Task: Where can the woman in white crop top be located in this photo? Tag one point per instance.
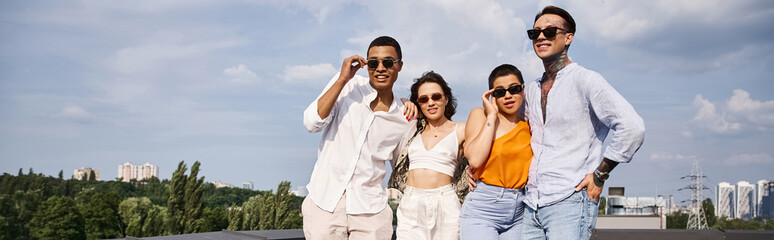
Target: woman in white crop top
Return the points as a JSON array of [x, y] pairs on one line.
[[429, 208]]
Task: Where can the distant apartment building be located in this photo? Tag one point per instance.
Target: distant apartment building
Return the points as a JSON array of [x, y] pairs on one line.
[[745, 200], [83, 174], [766, 203], [219, 184], [128, 171], [724, 198], [300, 191], [248, 185]]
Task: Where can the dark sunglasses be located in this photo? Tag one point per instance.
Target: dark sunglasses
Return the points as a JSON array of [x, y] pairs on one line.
[[548, 32], [388, 63], [424, 98], [500, 92]]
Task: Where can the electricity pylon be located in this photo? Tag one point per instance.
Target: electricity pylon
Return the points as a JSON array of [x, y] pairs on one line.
[[696, 219]]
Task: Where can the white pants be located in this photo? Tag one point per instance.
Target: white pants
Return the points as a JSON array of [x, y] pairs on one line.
[[429, 214]]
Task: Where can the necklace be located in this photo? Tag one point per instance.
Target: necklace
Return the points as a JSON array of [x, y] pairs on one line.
[[434, 132]]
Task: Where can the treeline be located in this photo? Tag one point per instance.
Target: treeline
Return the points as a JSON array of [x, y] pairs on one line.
[[679, 220], [34, 206]]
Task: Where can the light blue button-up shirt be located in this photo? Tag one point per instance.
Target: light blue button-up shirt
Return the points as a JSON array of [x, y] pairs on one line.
[[581, 109]]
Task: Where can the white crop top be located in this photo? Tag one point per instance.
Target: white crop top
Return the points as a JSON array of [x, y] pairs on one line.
[[441, 158]]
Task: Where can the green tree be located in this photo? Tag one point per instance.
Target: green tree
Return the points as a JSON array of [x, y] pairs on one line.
[[154, 222], [8, 218], [100, 212], [235, 217], [61, 174], [26, 204], [285, 216], [57, 218], [602, 204], [142, 218], [709, 211], [92, 176], [251, 213], [214, 219], [267, 208], [193, 200], [677, 220], [176, 202]]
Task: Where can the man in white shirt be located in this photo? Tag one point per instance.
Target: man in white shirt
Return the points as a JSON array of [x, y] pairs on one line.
[[362, 123]]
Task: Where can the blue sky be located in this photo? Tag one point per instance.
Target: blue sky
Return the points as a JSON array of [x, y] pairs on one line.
[[98, 83]]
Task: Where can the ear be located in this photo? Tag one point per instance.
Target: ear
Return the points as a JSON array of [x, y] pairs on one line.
[[568, 40], [399, 66]]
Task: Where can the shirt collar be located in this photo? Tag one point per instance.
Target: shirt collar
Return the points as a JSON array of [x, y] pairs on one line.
[[371, 95]]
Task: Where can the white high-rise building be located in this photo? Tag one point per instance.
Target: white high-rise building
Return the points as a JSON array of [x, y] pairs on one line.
[[83, 174], [128, 171], [724, 197], [761, 192], [745, 200], [247, 185]]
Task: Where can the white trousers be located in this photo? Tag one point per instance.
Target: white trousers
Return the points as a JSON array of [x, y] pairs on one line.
[[429, 214]]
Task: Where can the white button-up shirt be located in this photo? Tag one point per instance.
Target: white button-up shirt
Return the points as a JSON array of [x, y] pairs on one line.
[[581, 109], [355, 144]]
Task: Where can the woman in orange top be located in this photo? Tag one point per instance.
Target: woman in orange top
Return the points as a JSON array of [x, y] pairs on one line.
[[499, 152]]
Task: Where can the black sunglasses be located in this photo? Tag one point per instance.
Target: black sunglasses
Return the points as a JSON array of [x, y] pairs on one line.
[[388, 63], [549, 32], [500, 92], [424, 98]]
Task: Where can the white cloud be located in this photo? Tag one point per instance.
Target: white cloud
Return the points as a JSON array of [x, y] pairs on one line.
[[709, 118], [663, 156], [739, 114], [749, 159], [656, 33], [163, 47], [754, 111], [74, 111], [241, 74], [309, 74]]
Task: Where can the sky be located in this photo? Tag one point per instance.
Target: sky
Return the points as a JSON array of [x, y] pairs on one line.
[[99, 83]]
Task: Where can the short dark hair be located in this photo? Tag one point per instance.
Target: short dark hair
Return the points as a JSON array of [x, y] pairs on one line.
[[568, 20], [451, 105], [386, 41], [504, 70]]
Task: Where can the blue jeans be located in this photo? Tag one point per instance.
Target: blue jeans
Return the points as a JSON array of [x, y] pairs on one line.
[[572, 218], [492, 212]]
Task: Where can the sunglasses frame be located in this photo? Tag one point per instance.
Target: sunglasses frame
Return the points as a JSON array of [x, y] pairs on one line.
[[384, 62], [515, 89], [424, 98], [549, 32]]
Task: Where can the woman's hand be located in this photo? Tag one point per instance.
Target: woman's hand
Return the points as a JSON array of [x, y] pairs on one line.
[[489, 102], [410, 110]]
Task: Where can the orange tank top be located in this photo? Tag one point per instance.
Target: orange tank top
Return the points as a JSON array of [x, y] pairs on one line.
[[509, 159]]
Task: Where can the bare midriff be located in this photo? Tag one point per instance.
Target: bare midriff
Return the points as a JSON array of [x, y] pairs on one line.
[[427, 179]]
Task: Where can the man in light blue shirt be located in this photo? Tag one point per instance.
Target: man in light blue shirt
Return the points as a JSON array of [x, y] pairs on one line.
[[571, 111]]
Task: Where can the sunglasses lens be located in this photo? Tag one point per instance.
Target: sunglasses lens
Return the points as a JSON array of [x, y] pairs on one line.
[[423, 99], [515, 89], [550, 32], [533, 34], [388, 63], [437, 96], [498, 93], [373, 63]]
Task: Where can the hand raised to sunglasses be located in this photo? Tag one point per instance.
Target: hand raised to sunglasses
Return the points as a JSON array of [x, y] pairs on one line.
[[350, 67], [490, 106]]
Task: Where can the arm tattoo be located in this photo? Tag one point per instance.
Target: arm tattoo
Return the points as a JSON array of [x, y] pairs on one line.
[[488, 124]]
